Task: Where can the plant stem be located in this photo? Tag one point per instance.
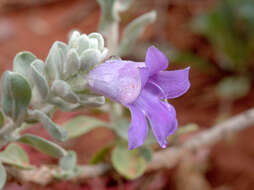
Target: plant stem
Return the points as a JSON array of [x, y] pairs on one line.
[[162, 159]]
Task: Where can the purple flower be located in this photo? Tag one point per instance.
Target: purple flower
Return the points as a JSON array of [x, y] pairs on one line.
[[140, 87]]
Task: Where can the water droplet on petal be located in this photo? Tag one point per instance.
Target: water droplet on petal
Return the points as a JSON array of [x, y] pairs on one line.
[[165, 144]]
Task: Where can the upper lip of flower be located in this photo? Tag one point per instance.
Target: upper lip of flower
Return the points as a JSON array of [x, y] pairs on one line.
[[151, 84]]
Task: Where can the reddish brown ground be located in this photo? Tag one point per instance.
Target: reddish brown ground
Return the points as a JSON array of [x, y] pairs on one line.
[[35, 28]]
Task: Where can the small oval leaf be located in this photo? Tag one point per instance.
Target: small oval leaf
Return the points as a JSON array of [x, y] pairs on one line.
[[91, 100], [89, 58], [78, 83], [81, 125], [43, 145], [73, 40], [63, 89], [63, 105], [99, 38], [16, 95], [53, 129], [15, 155], [21, 64], [55, 61], [40, 81], [129, 163], [72, 64], [83, 43]]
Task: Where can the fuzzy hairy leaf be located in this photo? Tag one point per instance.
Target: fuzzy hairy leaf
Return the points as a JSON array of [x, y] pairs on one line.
[[72, 64], [129, 163], [81, 125], [55, 61], [16, 95], [89, 58], [43, 145], [15, 155], [63, 90], [53, 129], [40, 81], [22, 63], [99, 38], [83, 43]]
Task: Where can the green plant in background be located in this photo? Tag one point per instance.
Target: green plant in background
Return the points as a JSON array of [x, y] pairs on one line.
[[229, 27]]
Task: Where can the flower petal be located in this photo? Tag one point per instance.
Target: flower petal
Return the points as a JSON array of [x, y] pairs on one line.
[[119, 61], [155, 60], [162, 116], [138, 129], [144, 74], [118, 80], [172, 84]]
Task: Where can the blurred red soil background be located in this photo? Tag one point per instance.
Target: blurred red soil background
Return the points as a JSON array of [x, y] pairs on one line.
[[33, 25]]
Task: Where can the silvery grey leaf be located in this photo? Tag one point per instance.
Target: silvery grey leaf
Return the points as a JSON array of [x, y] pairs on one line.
[[83, 43], [16, 95], [55, 61], [21, 64], [93, 43], [73, 40], [43, 145], [78, 83], [63, 90], [40, 81], [89, 58], [82, 124], [63, 105], [91, 100], [14, 155], [99, 39], [72, 64], [53, 129], [104, 54]]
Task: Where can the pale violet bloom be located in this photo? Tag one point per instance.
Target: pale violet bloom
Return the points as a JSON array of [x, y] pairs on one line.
[[141, 86]]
